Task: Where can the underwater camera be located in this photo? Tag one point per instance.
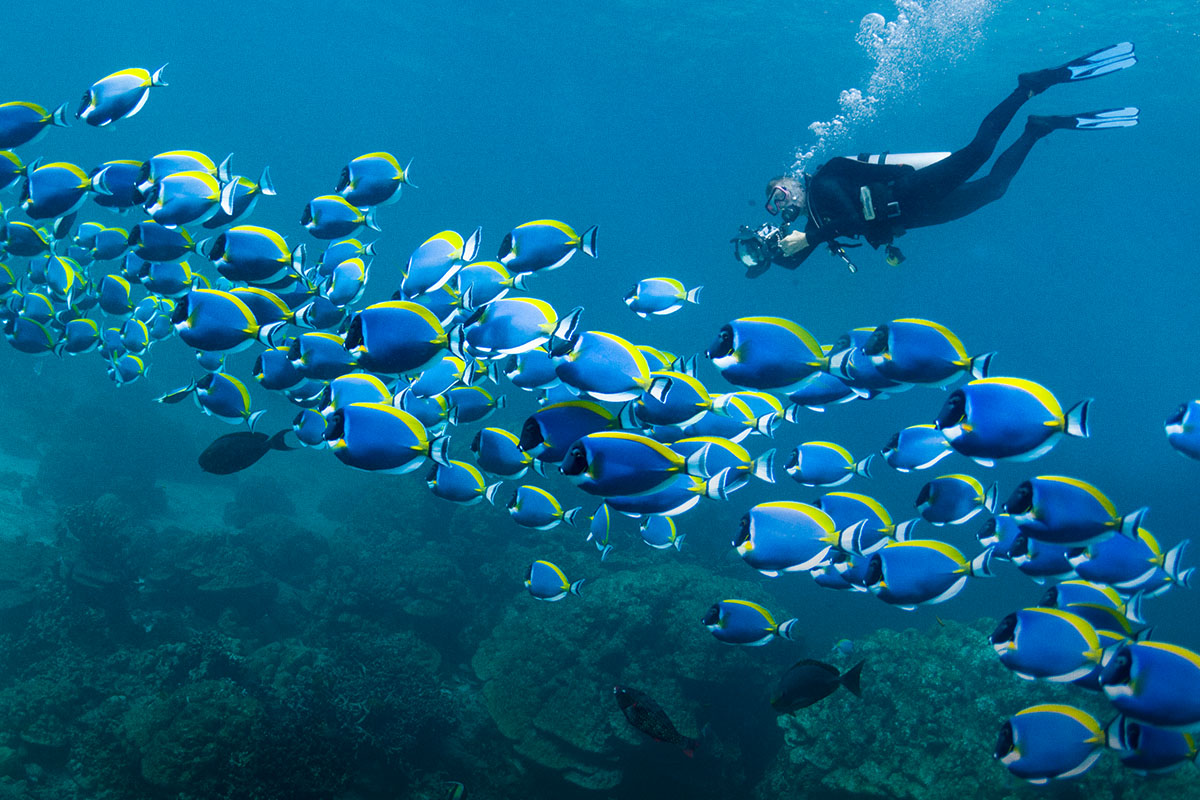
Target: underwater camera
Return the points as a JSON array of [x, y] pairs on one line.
[[754, 247]]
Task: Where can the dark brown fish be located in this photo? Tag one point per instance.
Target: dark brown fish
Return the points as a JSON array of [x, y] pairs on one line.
[[235, 452], [649, 718], [809, 681]]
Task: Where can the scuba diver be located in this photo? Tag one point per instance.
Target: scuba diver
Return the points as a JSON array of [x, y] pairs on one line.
[[879, 197]]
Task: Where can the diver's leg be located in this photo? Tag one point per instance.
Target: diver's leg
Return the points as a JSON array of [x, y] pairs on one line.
[[972, 196], [942, 177]]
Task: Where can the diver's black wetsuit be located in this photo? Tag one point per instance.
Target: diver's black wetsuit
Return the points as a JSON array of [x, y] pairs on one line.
[[902, 197]]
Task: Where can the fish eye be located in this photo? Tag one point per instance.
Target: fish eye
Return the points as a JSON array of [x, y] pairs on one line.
[[1177, 416], [874, 573], [1050, 598], [877, 342], [431, 476], [1119, 670], [952, 411], [723, 345], [181, 310], [713, 616], [1021, 500], [988, 531], [1004, 744], [1005, 630], [743, 531], [893, 443], [1133, 734], [306, 215], [476, 441], [354, 334], [531, 435], [923, 496], [1020, 546], [83, 104], [336, 426]]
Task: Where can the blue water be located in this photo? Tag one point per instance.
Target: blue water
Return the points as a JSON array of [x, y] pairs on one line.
[[660, 123]]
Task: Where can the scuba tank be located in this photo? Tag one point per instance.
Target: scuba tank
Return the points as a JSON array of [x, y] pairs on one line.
[[914, 160]]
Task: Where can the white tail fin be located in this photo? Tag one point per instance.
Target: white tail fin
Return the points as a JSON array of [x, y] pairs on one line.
[[764, 466], [439, 450], [267, 186], [1172, 559], [659, 388], [981, 565], [577, 585], [980, 364], [1077, 419], [989, 498], [784, 629], [491, 493], [693, 295], [157, 79], [587, 241], [228, 193], [225, 169], [903, 531], [1131, 522], [569, 517], [471, 246], [864, 466], [370, 221]]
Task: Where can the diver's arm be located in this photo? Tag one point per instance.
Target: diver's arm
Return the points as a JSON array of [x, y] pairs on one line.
[[793, 243]]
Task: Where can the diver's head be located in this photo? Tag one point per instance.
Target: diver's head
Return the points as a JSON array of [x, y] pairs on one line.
[[786, 198]]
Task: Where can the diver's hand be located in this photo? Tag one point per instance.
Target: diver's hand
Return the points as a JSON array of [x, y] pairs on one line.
[[793, 243]]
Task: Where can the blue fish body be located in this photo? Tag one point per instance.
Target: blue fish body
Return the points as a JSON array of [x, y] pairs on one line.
[[1047, 742], [118, 96], [921, 572], [378, 438], [954, 499], [1067, 511], [22, 123], [743, 622], [766, 353], [275, 371], [372, 179], [545, 581], [785, 536], [920, 351], [825, 464], [618, 463], [214, 321], [395, 336], [534, 507], [1047, 643], [1183, 429], [1154, 683], [498, 452], [916, 447], [543, 245], [660, 532], [456, 481], [320, 356], [990, 419], [552, 429], [330, 216]]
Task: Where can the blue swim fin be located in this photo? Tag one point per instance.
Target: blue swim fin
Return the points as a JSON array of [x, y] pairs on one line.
[[1088, 120], [1105, 60]]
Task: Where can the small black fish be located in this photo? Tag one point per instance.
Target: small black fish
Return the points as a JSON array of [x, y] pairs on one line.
[[646, 715], [808, 681], [234, 452]]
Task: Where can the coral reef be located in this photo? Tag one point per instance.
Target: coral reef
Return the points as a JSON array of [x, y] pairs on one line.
[[924, 729], [549, 668]]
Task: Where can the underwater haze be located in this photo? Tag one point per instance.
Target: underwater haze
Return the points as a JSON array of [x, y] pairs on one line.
[[304, 629]]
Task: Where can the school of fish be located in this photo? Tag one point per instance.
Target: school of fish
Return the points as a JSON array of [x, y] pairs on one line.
[[382, 385]]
